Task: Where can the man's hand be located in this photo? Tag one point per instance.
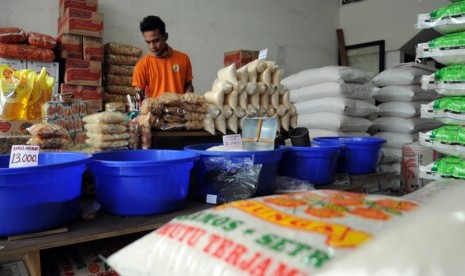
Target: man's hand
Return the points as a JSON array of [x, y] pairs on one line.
[[188, 87]]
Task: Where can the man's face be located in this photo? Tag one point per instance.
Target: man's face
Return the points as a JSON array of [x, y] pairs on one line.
[[156, 42]]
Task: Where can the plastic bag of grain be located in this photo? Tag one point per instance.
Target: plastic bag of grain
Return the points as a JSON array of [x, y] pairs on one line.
[[449, 81], [292, 234], [314, 76], [447, 49], [446, 20], [403, 74], [426, 242]]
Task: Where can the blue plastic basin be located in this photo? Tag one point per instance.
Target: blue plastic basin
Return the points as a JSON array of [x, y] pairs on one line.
[[314, 164], [268, 158], [359, 155], [142, 182], [38, 198]]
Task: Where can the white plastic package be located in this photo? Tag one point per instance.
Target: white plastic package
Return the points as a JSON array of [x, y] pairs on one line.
[[447, 49], [324, 74], [403, 74], [333, 89], [333, 121], [426, 242], [448, 81], [291, 234], [400, 109], [446, 20], [447, 110], [390, 155], [345, 106], [404, 125], [447, 139], [397, 140], [447, 169], [407, 93], [315, 132]]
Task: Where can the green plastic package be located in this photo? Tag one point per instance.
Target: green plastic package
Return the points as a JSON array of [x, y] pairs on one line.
[[448, 41], [449, 134], [451, 104], [449, 167], [452, 73], [452, 10]]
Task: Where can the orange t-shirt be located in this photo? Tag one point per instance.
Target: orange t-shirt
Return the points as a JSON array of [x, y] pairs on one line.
[[163, 74]]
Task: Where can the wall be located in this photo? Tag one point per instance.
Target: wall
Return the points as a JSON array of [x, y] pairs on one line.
[[391, 20], [299, 34]]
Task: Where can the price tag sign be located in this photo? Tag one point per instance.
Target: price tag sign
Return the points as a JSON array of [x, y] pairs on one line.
[[263, 53], [24, 156], [232, 141]]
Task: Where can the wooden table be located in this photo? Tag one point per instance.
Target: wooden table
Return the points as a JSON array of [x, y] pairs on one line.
[[104, 226]]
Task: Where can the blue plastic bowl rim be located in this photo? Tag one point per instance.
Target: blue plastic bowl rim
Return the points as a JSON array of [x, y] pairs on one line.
[[331, 147], [43, 167], [280, 149], [351, 139], [189, 156]]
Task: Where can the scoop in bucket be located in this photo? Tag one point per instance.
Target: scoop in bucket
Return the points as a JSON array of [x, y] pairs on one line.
[[259, 133]]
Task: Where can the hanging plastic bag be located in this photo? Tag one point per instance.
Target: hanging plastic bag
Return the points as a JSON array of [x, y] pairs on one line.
[[41, 93], [15, 89]]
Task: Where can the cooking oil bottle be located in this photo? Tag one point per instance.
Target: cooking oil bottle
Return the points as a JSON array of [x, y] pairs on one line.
[[15, 89]]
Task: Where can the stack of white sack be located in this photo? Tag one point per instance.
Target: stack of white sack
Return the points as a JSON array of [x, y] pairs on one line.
[[332, 100], [400, 98], [254, 90]]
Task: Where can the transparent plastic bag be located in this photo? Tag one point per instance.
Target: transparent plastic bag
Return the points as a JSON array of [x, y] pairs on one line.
[[45, 130], [41, 40], [231, 178], [106, 117], [15, 90]]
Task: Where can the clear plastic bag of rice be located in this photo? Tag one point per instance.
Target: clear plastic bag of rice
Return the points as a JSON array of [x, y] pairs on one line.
[[105, 117], [46, 130], [106, 128], [107, 137]]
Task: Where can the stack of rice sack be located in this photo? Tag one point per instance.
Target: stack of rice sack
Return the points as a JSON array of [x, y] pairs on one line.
[[15, 43], [106, 131], [254, 90], [449, 82], [48, 136], [120, 60], [173, 111], [400, 98], [332, 100]]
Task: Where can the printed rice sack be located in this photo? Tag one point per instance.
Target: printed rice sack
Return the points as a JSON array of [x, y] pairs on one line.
[[293, 234]]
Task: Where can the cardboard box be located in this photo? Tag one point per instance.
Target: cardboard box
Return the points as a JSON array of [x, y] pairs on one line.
[[92, 48], [53, 68], [83, 72], [81, 22], [10, 128], [240, 57], [75, 90], [16, 64], [69, 46], [90, 5], [93, 97]]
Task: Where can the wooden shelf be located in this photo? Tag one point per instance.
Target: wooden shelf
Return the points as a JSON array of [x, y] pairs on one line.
[[104, 226]]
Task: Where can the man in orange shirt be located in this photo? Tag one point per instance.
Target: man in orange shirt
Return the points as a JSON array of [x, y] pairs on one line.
[[162, 69]]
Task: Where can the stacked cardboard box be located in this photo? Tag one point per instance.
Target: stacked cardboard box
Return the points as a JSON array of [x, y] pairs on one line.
[[80, 30], [239, 57]]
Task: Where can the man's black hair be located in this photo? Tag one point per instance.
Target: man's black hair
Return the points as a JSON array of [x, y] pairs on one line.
[[152, 23]]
